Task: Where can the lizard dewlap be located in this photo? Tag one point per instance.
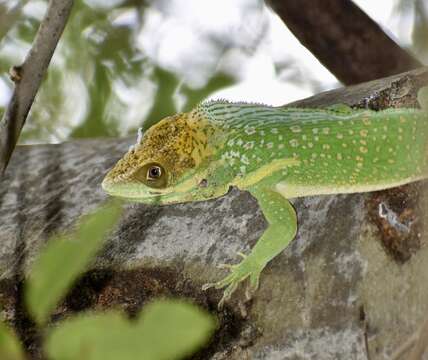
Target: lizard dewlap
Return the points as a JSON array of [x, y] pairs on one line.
[[276, 154]]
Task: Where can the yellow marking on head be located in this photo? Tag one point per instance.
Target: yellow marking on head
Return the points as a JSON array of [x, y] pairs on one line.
[[179, 143]]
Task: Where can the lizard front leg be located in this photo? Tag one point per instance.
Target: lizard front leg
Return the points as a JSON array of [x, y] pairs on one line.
[[282, 228]]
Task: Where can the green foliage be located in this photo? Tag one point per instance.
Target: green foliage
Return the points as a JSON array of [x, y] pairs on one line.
[[10, 348], [171, 329], [165, 329], [420, 29], [96, 60], [64, 259]]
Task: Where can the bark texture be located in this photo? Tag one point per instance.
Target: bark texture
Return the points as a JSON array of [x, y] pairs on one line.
[[352, 285], [344, 39]]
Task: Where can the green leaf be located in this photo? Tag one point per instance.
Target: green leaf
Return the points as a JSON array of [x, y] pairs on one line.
[[166, 329], [64, 259], [173, 329], [10, 347], [104, 336]]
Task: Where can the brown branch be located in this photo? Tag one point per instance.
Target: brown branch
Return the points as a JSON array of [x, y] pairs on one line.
[[172, 250], [344, 39], [29, 75]]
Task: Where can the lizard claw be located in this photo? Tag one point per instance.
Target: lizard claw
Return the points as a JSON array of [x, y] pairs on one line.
[[238, 273]]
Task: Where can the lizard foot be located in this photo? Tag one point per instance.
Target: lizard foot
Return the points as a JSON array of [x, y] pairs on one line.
[[238, 273]]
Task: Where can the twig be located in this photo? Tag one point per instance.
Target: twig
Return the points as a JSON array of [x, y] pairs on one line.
[[29, 75], [343, 38]]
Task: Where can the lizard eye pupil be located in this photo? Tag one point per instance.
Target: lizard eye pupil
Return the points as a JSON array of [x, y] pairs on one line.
[[153, 175], [155, 172]]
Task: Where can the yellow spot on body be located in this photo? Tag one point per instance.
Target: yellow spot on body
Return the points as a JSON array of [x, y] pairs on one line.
[[294, 143], [339, 136], [339, 156], [364, 133], [363, 142], [326, 130], [403, 119], [326, 146], [351, 132], [295, 128], [400, 130], [366, 121], [391, 161]]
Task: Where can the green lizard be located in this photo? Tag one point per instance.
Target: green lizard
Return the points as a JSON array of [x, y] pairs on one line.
[[274, 153]]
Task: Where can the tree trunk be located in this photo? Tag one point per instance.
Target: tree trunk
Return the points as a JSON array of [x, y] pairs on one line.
[[344, 39], [352, 285]]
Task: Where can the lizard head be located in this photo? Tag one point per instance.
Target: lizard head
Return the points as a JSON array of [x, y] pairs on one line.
[[173, 162]]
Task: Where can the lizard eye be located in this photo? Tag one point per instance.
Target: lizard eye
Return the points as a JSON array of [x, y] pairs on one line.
[[153, 175], [154, 172]]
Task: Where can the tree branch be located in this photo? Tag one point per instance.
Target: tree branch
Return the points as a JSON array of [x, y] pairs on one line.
[[310, 296], [29, 75], [344, 39]]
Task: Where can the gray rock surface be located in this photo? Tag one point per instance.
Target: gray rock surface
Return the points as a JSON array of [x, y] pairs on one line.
[[352, 285]]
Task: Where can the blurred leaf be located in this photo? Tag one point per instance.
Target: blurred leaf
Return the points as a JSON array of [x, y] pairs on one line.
[[420, 28], [10, 347], [168, 84], [64, 259], [172, 329], [8, 18], [163, 104], [93, 336], [217, 82], [166, 329]]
